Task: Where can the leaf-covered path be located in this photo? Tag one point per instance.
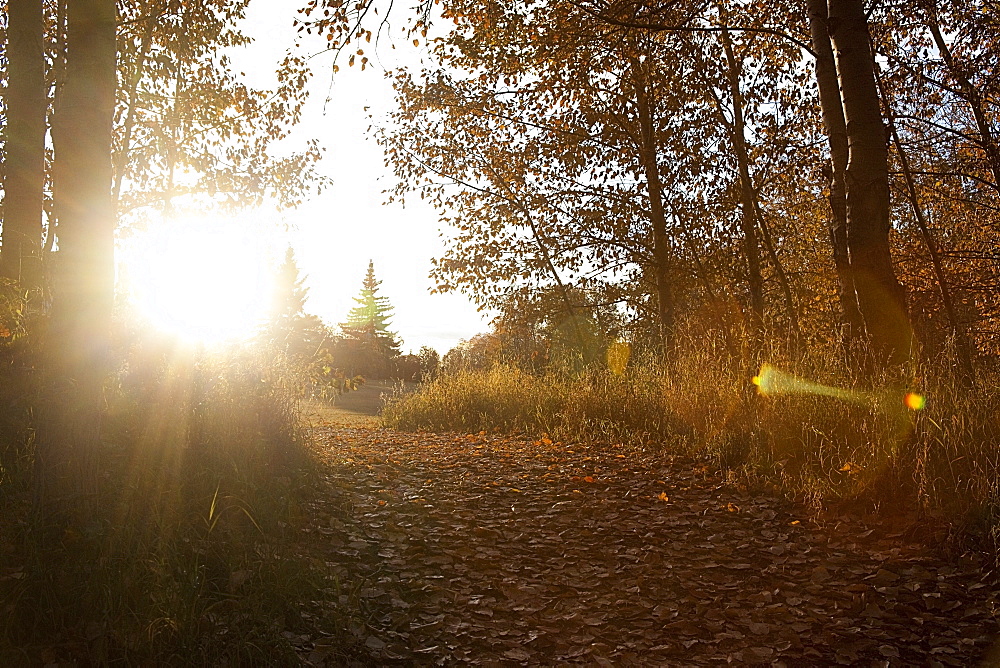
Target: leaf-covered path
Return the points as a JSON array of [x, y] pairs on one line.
[[480, 549]]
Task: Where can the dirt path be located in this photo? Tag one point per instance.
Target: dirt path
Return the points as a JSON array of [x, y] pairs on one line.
[[512, 551], [359, 408]]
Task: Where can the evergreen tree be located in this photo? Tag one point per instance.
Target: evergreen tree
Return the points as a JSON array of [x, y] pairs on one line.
[[292, 329], [309, 344], [368, 322], [289, 298]]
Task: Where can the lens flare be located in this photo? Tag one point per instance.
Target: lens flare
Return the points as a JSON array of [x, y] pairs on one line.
[[772, 382]]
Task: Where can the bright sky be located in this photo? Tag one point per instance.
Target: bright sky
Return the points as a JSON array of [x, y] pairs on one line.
[[335, 234]]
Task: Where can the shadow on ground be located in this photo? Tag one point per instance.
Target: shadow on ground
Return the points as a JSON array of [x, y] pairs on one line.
[[359, 408]]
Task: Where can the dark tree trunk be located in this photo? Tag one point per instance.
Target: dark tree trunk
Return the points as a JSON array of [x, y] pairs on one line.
[[26, 103], [657, 215], [83, 277], [749, 202], [832, 109], [881, 298], [748, 218]]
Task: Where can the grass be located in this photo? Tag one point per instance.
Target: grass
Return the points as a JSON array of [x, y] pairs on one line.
[[866, 449], [190, 556]]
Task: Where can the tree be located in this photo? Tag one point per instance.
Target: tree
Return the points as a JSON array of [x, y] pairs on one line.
[[309, 347], [430, 362], [78, 333], [836, 133], [26, 104], [188, 126], [881, 298], [367, 328], [601, 165], [291, 329]]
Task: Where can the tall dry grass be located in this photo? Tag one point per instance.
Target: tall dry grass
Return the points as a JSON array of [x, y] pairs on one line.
[[865, 447], [189, 557]]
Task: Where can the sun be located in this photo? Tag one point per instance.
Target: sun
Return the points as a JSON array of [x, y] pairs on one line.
[[204, 280]]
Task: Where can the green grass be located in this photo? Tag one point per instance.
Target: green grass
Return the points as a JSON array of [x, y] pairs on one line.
[[939, 464]]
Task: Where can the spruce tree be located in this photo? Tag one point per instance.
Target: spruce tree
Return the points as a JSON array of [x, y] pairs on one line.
[[289, 297], [291, 328], [368, 322]]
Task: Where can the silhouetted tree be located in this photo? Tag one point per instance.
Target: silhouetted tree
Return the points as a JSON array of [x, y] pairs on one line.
[[294, 331], [79, 329], [24, 150], [430, 362]]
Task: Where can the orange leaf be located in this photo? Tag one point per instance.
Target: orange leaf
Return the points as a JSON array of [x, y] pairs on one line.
[[662, 496], [589, 478]]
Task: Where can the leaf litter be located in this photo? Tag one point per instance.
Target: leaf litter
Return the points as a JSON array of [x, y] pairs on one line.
[[483, 549]]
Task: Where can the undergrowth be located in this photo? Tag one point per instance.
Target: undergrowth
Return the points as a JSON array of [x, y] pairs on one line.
[[188, 557], [864, 448]]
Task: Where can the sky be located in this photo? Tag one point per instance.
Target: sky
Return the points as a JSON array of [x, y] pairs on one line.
[[336, 233]]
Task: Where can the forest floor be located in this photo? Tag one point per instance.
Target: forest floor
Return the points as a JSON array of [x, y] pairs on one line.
[[505, 550]]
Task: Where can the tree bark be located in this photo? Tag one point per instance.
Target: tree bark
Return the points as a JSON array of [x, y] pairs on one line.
[[748, 218], [83, 278], [657, 216], [749, 200], [832, 109], [791, 312], [881, 298], [25, 99]]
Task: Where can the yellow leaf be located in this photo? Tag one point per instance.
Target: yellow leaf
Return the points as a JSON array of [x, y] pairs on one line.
[[732, 507], [662, 496]]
